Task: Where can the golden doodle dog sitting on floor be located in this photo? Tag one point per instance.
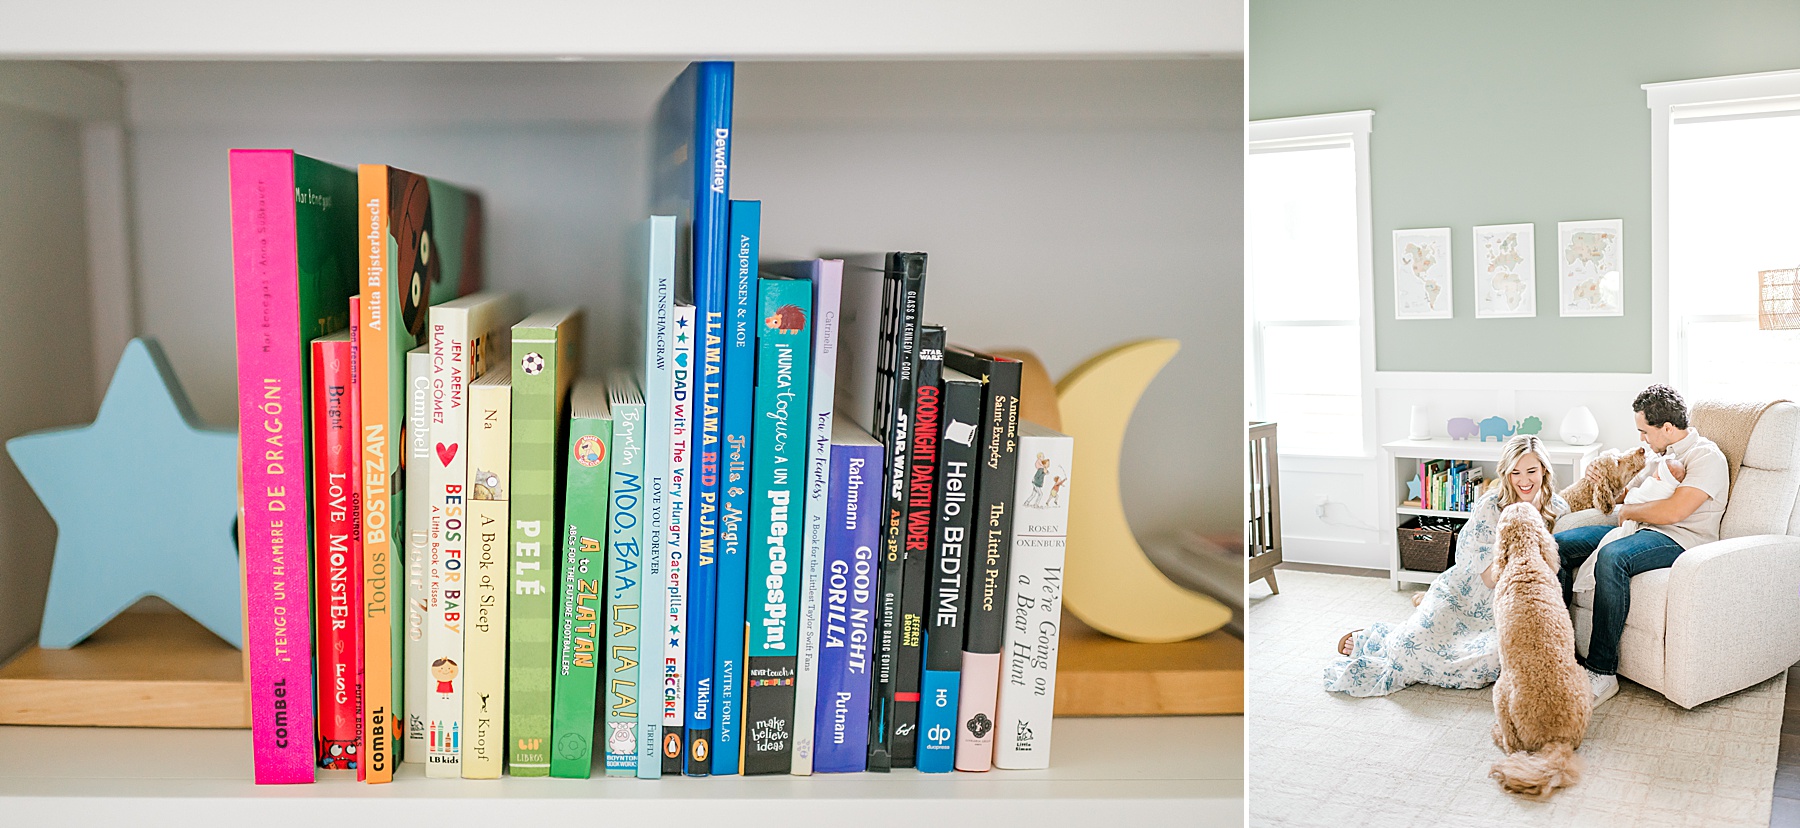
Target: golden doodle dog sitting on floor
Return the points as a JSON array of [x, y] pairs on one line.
[[1541, 700], [1603, 485]]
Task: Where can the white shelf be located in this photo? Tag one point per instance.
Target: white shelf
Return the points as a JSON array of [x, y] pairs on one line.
[[576, 29], [1125, 771], [1568, 461], [1414, 576], [1444, 513], [1446, 449]]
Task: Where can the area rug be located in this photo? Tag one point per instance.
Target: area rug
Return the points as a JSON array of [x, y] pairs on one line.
[[1420, 757]]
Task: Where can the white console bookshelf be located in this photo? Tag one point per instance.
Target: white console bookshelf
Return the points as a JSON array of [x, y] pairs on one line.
[[1037, 156], [1400, 460]]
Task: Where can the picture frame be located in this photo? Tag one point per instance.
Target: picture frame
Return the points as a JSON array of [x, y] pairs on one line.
[[1590, 267], [1422, 274], [1505, 270]]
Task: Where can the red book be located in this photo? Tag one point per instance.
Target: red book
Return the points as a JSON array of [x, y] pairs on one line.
[[337, 552]]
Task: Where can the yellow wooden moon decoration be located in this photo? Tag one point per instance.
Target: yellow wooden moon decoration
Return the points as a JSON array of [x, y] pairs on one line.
[[1109, 583]]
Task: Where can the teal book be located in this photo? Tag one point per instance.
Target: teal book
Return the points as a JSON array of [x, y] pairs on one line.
[[777, 520], [587, 482], [546, 348], [622, 688]]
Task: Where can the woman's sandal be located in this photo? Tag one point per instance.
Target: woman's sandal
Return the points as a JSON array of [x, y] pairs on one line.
[[1344, 643]]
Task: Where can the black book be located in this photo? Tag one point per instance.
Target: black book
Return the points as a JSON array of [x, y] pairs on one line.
[[902, 304], [915, 554], [959, 462], [990, 548]]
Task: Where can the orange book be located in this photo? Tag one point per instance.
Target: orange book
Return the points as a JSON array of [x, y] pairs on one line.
[[421, 244]]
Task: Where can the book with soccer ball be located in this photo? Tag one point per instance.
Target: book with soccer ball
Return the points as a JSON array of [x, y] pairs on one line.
[[546, 349]]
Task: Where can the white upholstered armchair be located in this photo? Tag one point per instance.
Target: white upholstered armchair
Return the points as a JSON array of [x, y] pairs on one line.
[[1726, 616]]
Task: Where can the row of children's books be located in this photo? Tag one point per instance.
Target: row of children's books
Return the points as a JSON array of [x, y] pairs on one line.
[[1448, 485], [789, 530]]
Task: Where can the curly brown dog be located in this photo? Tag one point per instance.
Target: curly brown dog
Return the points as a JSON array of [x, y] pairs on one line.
[[1603, 485], [1541, 701]]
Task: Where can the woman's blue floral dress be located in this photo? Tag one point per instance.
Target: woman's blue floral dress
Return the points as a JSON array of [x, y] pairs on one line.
[[1450, 640]]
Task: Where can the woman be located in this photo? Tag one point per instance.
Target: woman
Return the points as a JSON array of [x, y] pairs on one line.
[[1450, 640]]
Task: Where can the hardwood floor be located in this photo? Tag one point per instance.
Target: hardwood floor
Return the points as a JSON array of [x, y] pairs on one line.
[[1785, 812]]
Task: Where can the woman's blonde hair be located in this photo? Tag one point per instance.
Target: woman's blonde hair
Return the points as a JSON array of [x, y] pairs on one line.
[[1516, 449]]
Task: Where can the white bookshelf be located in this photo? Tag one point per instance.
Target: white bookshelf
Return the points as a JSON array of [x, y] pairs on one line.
[[1132, 771], [1077, 166], [1399, 464]]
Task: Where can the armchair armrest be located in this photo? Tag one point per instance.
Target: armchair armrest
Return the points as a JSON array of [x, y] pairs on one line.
[[1586, 517], [1733, 616]]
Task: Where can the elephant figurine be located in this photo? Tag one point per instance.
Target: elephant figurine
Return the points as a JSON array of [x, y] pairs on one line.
[[1462, 428], [1530, 425], [1497, 428]]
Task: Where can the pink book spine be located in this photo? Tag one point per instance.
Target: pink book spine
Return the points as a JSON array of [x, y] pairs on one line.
[[337, 563], [272, 465], [357, 628], [980, 688]]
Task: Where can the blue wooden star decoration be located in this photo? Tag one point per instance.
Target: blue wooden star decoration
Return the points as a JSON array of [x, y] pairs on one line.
[[1412, 488], [144, 500]]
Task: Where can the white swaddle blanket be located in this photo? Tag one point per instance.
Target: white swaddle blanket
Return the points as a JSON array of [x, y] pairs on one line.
[[1658, 484]]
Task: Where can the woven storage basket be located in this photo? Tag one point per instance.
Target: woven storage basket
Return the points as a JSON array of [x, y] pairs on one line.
[[1778, 299], [1427, 545]]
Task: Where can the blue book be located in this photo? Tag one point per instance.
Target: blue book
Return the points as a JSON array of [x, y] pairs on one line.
[[734, 485], [691, 180], [945, 614], [777, 520], [847, 624], [653, 346]]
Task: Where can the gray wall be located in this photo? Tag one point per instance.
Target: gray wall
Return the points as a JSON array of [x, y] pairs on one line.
[[1067, 205], [1487, 113], [46, 351]]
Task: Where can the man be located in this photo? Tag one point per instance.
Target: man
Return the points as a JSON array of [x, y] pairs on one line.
[[1686, 519]]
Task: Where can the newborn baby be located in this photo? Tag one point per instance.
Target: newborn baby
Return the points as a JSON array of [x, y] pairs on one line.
[[1662, 476]]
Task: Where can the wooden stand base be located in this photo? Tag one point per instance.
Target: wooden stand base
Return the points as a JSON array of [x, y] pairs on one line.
[[143, 669], [1097, 675]]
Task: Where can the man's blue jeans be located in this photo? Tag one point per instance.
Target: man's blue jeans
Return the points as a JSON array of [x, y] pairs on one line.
[[1642, 551]]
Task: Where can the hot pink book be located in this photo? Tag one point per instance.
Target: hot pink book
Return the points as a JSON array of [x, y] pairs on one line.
[[293, 225]]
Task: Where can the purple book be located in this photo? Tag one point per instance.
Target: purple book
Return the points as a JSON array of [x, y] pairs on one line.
[[847, 626]]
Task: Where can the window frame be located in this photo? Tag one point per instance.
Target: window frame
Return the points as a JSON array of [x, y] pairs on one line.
[[1731, 96], [1329, 130]]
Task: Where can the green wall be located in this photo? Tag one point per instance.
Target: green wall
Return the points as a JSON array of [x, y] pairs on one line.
[[1496, 113]]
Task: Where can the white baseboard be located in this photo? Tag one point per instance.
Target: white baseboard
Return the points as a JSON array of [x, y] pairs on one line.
[[1334, 551]]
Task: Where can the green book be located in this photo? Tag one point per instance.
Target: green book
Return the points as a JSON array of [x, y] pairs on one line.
[[583, 567], [546, 349], [624, 578]]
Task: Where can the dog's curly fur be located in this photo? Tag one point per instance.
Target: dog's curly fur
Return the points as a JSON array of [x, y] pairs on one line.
[[1603, 486], [1541, 702]]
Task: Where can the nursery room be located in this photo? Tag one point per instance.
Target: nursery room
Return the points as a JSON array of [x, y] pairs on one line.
[[1542, 258]]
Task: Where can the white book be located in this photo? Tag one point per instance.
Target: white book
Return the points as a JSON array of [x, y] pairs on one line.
[[1027, 698], [653, 266], [681, 423], [827, 277], [489, 561], [418, 535], [464, 336]]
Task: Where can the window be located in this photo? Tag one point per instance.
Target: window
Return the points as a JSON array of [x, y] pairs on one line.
[[1306, 220], [1734, 210]]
